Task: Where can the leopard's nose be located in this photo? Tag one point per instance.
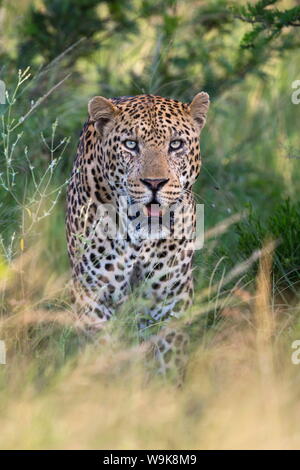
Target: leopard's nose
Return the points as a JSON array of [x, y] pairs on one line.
[[154, 183]]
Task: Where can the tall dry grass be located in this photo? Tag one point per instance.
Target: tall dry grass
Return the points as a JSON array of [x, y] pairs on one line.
[[60, 389]]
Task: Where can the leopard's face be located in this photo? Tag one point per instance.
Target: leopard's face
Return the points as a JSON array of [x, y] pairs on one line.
[[150, 145]]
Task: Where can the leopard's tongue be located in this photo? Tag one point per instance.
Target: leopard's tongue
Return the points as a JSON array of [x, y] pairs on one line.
[[153, 210]]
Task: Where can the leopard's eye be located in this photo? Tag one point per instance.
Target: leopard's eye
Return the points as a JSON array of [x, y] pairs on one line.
[[176, 144], [131, 144]]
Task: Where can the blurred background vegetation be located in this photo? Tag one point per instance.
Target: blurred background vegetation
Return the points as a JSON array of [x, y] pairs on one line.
[[246, 56]]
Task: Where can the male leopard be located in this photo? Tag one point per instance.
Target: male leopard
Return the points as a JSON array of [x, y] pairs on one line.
[[136, 163]]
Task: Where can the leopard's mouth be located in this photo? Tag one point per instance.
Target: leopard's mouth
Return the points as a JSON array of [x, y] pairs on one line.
[[154, 210]]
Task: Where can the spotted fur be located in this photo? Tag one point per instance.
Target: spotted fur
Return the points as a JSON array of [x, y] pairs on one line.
[[106, 171]]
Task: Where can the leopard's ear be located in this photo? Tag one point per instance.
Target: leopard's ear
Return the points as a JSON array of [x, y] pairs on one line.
[[199, 107], [101, 111]]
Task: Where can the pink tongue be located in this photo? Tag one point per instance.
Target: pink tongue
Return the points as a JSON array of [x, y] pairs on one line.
[[153, 210]]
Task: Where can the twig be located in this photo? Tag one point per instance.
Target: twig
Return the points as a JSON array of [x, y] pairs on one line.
[[41, 100]]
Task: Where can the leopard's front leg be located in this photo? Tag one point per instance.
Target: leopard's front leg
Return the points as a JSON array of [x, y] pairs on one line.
[[169, 283], [101, 274]]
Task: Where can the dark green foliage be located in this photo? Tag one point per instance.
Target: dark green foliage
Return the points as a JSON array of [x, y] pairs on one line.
[[268, 24], [52, 28], [190, 53]]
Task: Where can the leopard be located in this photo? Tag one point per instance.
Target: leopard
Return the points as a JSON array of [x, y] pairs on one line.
[[131, 214]]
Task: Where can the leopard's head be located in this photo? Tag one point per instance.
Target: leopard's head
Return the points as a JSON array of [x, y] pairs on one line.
[[149, 145]]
